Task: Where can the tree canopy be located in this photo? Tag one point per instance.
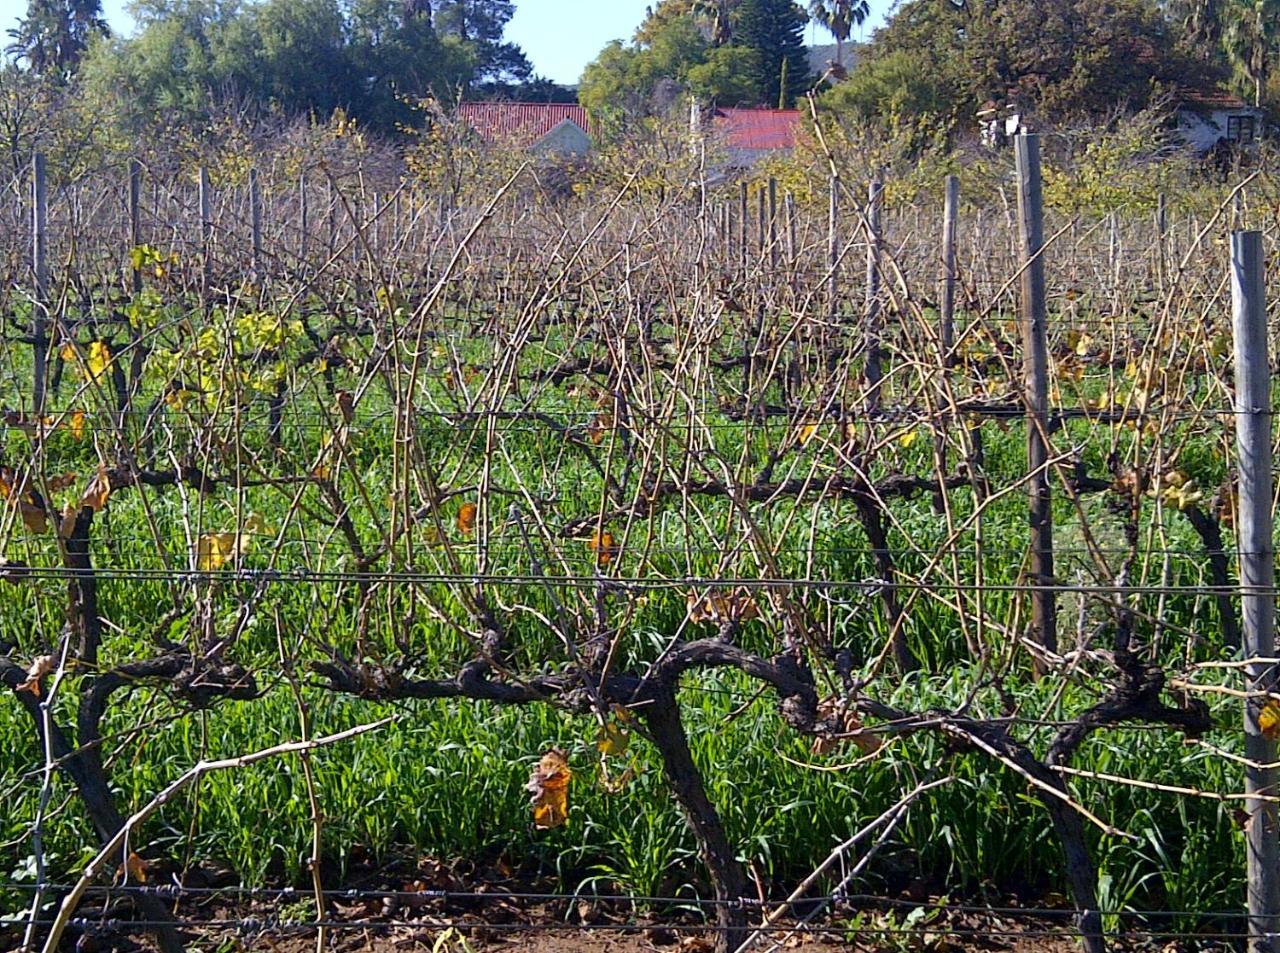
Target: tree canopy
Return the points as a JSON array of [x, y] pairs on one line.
[[727, 52], [53, 36], [1055, 58], [371, 58]]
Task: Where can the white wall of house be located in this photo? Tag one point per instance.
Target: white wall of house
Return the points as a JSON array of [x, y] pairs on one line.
[[1200, 130], [566, 139]]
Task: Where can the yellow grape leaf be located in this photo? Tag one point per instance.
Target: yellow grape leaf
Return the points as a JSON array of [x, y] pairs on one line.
[[549, 789], [99, 358], [908, 438], [96, 493], [214, 549], [466, 521], [1269, 720], [806, 433], [76, 423], [613, 739], [718, 606]]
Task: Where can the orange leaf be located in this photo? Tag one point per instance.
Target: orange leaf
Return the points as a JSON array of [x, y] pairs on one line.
[[41, 666], [849, 728], [601, 424], [76, 423], [603, 545], [96, 493], [133, 869], [467, 518], [718, 606], [549, 787]]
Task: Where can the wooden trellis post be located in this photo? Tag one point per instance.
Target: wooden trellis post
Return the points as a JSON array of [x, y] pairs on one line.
[[40, 269], [1257, 581], [1035, 367]]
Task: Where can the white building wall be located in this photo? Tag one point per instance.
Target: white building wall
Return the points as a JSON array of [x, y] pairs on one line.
[[566, 139]]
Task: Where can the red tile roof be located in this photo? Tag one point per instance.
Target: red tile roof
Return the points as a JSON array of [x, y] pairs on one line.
[[525, 123], [1210, 99], [758, 128]]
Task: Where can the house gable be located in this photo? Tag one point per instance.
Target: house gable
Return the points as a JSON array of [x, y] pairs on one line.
[[542, 127], [566, 139]]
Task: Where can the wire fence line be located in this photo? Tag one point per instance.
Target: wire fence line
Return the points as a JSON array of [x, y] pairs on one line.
[[547, 428]]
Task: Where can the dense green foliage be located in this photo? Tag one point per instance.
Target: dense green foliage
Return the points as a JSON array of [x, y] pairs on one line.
[[53, 36], [1060, 60], [726, 52], [190, 59]]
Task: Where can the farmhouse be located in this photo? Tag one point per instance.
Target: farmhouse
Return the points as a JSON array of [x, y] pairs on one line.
[[1208, 119], [1203, 120], [551, 129]]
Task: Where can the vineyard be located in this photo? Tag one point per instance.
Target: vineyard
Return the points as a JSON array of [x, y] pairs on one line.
[[733, 561]]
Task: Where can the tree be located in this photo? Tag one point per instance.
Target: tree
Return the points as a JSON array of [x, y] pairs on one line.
[[719, 15], [1058, 59], [53, 36], [671, 54], [839, 17], [480, 26], [1249, 39], [372, 58], [1201, 24], [774, 29]]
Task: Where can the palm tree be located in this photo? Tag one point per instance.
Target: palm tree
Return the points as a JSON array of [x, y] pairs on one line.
[[840, 17], [719, 13], [55, 33]]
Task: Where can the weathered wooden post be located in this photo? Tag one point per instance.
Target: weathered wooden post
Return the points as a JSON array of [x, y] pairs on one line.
[[1035, 369], [833, 276], [947, 300], [255, 224], [773, 224], [40, 270], [1162, 228], [946, 317], [135, 216], [304, 219], [762, 225], [1257, 581], [206, 229], [874, 370], [744, 211]]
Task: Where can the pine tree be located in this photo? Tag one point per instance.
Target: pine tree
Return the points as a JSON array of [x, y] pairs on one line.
[[774, 29]]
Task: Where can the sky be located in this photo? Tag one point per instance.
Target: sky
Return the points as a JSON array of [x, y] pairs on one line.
[[559, 36]]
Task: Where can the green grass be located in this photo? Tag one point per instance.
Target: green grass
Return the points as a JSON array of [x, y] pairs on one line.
[[447, 778]]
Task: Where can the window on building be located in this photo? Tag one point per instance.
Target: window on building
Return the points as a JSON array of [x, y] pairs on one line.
[[1241, 129]]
